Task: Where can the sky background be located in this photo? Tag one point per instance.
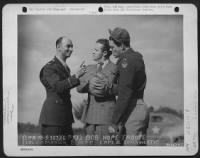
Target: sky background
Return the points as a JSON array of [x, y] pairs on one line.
[[158, 38]]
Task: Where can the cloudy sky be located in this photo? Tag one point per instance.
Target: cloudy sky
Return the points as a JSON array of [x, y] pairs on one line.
[[158, 38]]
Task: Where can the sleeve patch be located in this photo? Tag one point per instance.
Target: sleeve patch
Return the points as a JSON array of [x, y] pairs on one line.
[[124, 63]]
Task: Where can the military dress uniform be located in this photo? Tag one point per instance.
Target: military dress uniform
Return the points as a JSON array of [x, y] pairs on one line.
[[98, 113], [56, 115], [131, 111]]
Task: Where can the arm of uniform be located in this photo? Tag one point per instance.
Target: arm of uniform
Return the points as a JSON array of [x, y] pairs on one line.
[[125, 90], [112, 88], [54, 80], [108, 86], [83, 86], [84, 81]]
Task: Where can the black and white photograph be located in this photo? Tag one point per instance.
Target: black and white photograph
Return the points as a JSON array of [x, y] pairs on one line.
[[102, 80], [137, 95]]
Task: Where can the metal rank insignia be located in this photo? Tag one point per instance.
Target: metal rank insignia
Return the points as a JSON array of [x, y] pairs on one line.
[[124, 63]]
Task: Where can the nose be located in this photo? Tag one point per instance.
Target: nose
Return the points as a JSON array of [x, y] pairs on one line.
[[71, 49]]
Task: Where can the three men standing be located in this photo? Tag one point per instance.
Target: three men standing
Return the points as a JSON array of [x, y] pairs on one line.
[[127, 116]]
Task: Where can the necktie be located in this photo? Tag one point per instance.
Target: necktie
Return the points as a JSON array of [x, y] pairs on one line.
[[67, 68], [99, 66]]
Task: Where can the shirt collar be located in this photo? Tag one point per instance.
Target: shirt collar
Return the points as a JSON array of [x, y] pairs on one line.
[[62, 62], [104, 63]]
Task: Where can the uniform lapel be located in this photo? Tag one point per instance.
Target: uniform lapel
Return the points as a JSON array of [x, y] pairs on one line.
[[107, 67], [61, 68]]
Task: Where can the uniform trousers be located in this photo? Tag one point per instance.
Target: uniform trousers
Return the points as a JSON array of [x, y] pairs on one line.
[[136, 125], [98, 135]]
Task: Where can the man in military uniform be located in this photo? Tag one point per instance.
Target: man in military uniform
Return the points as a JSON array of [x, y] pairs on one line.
[[130, 118], [131, 110], [98, 113], [56, 116]]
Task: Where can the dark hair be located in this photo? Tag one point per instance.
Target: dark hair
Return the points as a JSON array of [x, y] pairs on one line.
[[115, 42], [58, 41], [106, 46], [126, 43]]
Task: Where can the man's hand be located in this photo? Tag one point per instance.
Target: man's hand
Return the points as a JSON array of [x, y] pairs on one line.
[[78, 124], [98, 85], [81, 70], [93, 84], [112, 128], [116, 128]]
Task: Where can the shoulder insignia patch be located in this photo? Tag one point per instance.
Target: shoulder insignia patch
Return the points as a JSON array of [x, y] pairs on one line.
[[51, 62], [124, 63]]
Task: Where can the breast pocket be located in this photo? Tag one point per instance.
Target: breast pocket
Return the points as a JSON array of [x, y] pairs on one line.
[[59, 102]]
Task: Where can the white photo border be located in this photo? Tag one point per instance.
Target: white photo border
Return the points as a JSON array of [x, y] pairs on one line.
[[10, 96]]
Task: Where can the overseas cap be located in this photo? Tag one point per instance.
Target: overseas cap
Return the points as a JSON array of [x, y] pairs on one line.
[[120, 35]]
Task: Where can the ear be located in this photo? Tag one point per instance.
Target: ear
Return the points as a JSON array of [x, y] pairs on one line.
[[123, 47], [105, 53], [58, 47]]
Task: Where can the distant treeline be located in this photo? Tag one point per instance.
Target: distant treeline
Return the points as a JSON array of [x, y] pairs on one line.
[[24, 128]]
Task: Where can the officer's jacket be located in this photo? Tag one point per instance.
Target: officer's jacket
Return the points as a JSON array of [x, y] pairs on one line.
[[57, 107], [131, 82], [99, 110]]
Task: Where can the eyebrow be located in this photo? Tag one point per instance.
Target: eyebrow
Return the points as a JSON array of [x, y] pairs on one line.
[[69, 45]]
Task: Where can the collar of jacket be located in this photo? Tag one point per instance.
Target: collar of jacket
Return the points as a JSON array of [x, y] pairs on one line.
[[61, 61], [66, 69], [104, 63], [124, 54]]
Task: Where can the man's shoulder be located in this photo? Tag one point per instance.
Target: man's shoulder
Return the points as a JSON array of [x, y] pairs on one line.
[[130, 59], [51, 64], [130, 52], [132, 56]]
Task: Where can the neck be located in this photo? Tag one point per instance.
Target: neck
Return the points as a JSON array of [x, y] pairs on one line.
[[125, 49], [60, 56], [103, 60]]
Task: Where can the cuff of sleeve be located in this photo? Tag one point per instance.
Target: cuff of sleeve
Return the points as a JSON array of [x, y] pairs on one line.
[[73, 81]]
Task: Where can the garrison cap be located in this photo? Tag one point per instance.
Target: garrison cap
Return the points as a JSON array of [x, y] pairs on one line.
[[120, 35]]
